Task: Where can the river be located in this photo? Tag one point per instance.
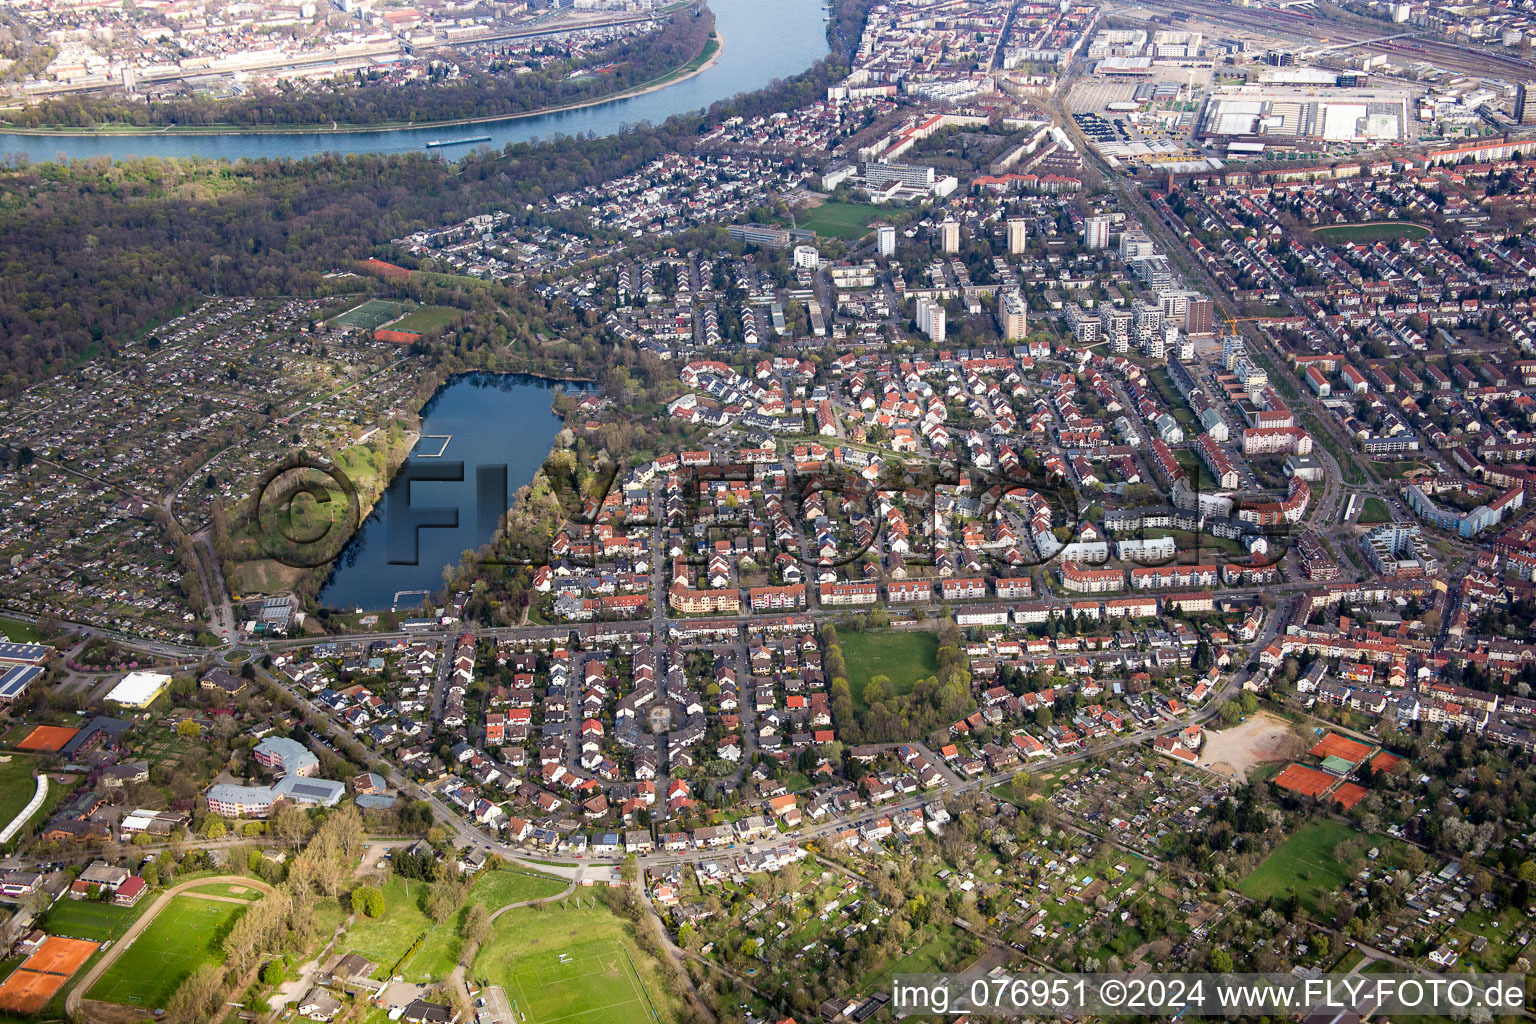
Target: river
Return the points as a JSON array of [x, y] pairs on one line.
[[475, 423], [763, 40]]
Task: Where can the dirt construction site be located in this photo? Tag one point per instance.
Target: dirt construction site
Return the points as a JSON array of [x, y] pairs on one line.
[[1262, 739]]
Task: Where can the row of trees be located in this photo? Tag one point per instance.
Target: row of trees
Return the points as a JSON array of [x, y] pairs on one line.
[[284, 920]]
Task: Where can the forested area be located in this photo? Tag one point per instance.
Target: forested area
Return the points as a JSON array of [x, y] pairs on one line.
[[496, 91], [95, 251]]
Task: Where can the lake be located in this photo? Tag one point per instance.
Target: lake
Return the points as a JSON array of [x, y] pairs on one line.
[[763, 40], [484, 435]]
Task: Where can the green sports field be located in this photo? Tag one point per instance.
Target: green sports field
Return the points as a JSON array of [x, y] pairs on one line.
[[18, 784], [370, 315], [903, 657], [186, 934], [573, 966], [234, 892], [423, 319], [87, 919], [840, 220]]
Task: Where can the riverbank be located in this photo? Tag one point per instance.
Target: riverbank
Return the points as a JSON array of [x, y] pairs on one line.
[[706, 59]]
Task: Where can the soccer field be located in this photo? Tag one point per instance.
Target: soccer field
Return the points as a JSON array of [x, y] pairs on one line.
[[589, 984], [185, 934], [840, 220], [370, 315], [574, 962]]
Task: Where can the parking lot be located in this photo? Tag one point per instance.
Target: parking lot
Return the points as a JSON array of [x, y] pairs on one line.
[[1167, 104]]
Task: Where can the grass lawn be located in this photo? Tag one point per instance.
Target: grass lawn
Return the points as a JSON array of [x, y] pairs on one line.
[[425, 319], [87, 919], [496, 889], [1303, 864], [17, 786], [839, 220], [246, 892], [934, 956], [386, 939], [187, 933], [1374, 510], [902, 657], [20, 632], [1376, 231], [1399, 470], [573, 964], [370, 315], [438, 955]]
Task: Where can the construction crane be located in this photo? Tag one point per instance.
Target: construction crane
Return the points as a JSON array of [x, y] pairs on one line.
[[1229, 323]]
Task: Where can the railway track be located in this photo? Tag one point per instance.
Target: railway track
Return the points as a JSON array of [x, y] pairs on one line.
[[1272, 21]]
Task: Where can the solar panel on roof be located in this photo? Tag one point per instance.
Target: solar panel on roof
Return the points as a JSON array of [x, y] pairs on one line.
[[15, 681], [22, 652]]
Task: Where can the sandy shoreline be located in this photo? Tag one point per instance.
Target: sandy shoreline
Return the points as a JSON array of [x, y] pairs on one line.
[[360, 129]]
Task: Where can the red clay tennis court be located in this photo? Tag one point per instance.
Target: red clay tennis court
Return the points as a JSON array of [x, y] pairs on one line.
[[59, 955], [1349, 794], [1385, 762], [31, 985], [1342, 747], [1306, 781], [29, 991], [47, 738]]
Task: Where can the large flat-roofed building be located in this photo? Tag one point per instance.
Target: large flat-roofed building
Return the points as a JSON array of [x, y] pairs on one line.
[[17, 680], [23, 654], [758, 234], [1301, 117], [910, 175], [287, 756], [138, 690], [234, 801]]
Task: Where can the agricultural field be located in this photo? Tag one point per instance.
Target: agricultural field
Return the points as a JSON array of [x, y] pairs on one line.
[[497, 889], [840, 220], [903, 657], [1377, 231], [574, 962], [1304, 864], [184, 935]]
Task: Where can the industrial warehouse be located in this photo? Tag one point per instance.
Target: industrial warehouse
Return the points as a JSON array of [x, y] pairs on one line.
[[1270, 115]]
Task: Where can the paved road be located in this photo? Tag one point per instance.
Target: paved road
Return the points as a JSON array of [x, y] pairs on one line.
[[76, 994]]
